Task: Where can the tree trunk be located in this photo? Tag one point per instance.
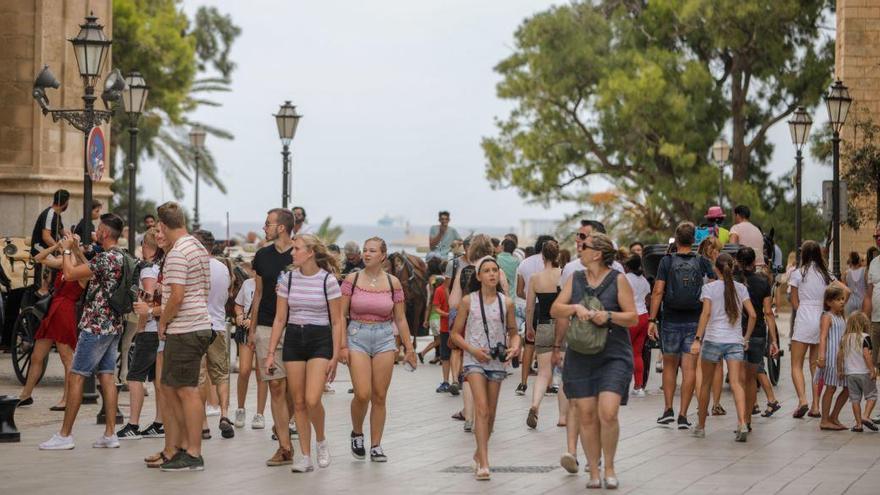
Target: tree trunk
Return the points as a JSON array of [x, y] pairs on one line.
[[738, 156]]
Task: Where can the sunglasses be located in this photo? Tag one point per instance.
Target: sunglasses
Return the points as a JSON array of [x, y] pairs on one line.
[[581, 236]]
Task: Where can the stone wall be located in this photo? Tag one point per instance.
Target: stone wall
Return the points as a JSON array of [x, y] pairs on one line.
[[857, 64], [38, 156]]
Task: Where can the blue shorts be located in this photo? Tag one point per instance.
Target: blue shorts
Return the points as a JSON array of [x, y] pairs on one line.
[[371, 338], [715, 352], [95, 354], [491, 375], [677, 338]]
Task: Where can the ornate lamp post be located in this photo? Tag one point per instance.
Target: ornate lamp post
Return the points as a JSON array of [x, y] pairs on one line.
[[287, 121], [838, 101], [720, 153], [197, 140], [799, 125], [90, 47], [134, 98]]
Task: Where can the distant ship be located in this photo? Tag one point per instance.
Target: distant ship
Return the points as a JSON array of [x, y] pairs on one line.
[[389, 221]]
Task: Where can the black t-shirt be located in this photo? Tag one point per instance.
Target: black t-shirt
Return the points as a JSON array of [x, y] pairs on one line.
[[268, 264], [671, 315], [759, 289], [81, 227], [50, 220]]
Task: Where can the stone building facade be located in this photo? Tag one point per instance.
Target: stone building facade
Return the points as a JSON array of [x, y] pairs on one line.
[[37, 155], [857, 64]]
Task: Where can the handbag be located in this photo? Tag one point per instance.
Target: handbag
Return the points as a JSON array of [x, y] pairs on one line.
[[41, 306], [585, 336]]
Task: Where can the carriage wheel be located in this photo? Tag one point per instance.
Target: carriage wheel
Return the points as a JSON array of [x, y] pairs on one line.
[[23, 344]]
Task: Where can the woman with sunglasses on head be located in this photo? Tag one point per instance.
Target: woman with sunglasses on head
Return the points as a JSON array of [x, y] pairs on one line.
[[309, 307], [597, 384], [373, 301], [486, 332]]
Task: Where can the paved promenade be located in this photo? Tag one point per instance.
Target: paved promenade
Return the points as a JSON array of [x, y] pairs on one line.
[[429, 453]]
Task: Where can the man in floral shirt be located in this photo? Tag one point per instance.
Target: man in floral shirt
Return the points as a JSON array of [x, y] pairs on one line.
[[100, 327]]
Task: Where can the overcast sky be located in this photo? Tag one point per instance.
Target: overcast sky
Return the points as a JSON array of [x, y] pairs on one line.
[[396, 96]]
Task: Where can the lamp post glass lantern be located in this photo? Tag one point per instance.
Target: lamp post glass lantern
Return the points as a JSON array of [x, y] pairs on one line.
[[720, 153], [837, 102], [197, 140], [134, 98], [799, 125], [287, 121], [90, 47]]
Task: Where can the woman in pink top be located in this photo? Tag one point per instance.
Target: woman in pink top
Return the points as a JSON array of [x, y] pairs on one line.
[[373, 300]]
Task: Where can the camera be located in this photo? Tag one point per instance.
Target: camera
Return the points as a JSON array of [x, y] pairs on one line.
[[499, 352]]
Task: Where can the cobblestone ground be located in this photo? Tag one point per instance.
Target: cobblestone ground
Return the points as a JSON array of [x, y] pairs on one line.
[[429, 453]]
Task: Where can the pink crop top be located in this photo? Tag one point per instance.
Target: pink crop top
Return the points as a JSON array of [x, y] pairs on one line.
[[373, 306]]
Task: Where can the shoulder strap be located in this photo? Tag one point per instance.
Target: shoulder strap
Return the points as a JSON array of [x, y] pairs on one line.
[[326, 299], [357, 273], [483, 314], [289, 280], [391, 289]]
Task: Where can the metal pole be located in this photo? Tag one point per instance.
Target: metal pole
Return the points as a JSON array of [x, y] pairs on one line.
[[196, 211], [132, 186], [285, 192], [89, 100], [721, 184], [835, 205], [798, 239]]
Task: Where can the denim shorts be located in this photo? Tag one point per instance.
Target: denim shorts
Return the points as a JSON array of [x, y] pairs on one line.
[[677, 338], [371, 338], [95, 354], [715, 352], [491, 375]]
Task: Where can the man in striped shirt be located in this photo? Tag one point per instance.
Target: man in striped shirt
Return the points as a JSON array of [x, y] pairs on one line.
[[186, 328]]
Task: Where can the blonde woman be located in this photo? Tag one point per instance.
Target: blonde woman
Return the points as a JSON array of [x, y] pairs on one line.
[[309, 307], [373, 301]]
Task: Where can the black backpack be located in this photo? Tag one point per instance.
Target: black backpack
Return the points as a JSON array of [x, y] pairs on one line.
[[125, 294], [684, 283]]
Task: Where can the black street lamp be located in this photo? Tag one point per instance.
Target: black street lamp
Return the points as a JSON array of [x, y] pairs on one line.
[[197, 140], [838, 101], [134, 98], [720, 153], [287, 121], [90, 47], [799, 125]]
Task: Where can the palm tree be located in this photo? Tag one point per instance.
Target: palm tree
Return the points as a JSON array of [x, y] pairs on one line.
[[328, 234]]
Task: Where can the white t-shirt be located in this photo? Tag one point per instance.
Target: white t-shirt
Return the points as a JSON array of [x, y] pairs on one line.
[[719, 329], [529, 266], [811, 287], [873, 277], [218, 295], [245, 295], [854, 359], [150, 271], [575, 265], [641, 288]]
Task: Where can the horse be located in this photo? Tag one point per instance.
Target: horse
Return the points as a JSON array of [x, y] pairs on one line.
[[412, 273]]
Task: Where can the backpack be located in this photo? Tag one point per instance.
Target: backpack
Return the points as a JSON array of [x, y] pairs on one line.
[[702, 233], [585, 337], [684, 284], [125, 294], [468, 280]]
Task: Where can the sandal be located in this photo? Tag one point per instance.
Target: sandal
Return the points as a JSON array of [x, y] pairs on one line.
[[162, 459], [772, 407], [717, 410], [458, 416], [856, 430], [800, 411], [814, 414], [154, 457]]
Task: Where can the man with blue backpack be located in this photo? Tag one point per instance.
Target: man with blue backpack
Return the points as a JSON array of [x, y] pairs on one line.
[[677, 288]]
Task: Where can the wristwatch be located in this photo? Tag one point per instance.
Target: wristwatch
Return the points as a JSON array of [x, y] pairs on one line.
[[66, 252], [698, 338]]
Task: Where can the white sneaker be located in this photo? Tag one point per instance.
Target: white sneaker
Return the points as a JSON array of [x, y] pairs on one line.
[[302, 464], [640, 392], [323, 454], [111, 442], [57, 442], [212, 410], [258, 422], [239, 418]]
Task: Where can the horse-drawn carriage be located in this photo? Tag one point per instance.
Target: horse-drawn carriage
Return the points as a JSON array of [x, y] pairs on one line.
[[651, 262]]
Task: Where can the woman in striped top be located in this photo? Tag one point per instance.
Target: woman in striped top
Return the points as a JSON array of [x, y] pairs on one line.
[[830, 332], [309, 305]]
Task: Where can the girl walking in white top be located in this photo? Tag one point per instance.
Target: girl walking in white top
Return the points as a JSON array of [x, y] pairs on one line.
[[808, 284], [855, 281], [830, 331], [719, 337], [854, 359]]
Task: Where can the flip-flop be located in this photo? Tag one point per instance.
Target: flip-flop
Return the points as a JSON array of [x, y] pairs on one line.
[[856, 430], [458, 416], [800, 412], [869, 425], [832, 428], [814, 415], [57, 408]]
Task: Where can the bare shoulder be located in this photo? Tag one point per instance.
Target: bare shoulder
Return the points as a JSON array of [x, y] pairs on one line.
[[395, 283]]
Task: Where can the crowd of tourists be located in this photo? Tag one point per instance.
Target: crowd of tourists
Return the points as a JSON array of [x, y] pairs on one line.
[[578, 326]]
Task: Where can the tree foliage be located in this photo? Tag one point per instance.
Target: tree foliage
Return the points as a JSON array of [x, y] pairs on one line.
[[634, 93]]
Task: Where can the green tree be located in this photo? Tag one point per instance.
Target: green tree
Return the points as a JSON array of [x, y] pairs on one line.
[[328, 233], [634, 93]]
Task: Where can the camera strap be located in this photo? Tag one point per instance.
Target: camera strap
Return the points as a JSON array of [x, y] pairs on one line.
[[483, 314]]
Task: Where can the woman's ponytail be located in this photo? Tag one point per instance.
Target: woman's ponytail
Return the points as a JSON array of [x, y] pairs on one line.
[[724, 264]]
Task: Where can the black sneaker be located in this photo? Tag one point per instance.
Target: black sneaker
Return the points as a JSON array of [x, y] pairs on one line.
[[357, 446], [521, 389], [683, 423], [128, 432], [667, 418], [155, 430], [377, 455], [552, 390], [454, 389], [227, 430], [182, 461], [25, 402]]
